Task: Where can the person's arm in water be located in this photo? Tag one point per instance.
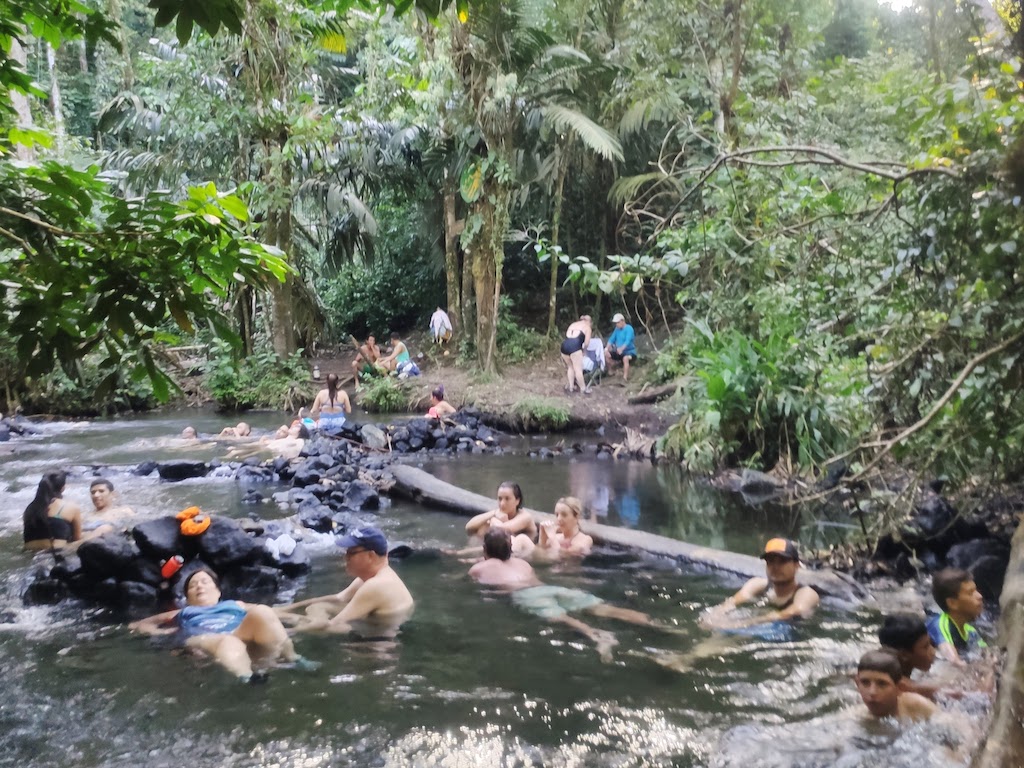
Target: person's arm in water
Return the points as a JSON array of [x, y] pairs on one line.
[[805, 601], [750, 591], [367, 599], [478, 523], [161, 624]]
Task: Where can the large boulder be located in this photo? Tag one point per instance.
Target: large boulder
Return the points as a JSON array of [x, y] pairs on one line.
[[305, 476], [252, 475], [45, 592], [374, 437], [225, 544], [134, 596], [316, 516], [361, 496], [145, 469], [107, 556], [254, 583], [989, 572], [182, 470], [143, 570], [966, 554], [5, 433], [161, 538]]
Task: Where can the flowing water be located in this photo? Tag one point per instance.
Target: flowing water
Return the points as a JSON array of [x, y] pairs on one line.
[[471, 680]]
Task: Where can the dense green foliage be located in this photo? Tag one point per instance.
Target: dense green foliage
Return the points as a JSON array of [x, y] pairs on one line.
[[258, 380], [384, 394]]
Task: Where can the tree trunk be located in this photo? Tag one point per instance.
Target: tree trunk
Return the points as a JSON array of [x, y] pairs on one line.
[[56, 103], [20, 102], [452, 229], [556, 220], [278, 232], [489, 249]]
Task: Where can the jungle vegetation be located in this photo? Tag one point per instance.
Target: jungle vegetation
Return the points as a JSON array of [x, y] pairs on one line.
[[813, 207]]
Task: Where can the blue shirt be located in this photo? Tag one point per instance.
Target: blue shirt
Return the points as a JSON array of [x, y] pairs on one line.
[[623, 337], [219, 619], [941, 629]]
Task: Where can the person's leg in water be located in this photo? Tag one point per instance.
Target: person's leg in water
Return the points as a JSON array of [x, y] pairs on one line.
[[265, 636], [603, 640], [606, 610], [227, 650]]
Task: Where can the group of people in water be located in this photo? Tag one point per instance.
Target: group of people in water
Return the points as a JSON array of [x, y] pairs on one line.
[[506, 544]]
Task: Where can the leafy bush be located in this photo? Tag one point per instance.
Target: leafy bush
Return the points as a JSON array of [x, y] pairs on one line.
[[516, 344], [353, 298], [260, 380], [384, 395], [542, 414], [95, 390]]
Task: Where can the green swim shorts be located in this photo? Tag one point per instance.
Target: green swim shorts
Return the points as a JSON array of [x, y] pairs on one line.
[[550, 602]]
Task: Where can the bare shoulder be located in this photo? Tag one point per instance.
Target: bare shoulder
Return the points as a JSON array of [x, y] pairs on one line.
[[915, 706]]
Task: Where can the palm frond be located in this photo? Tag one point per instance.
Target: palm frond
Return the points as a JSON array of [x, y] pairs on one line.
[[626, 188], [645, 111], [594, 137]]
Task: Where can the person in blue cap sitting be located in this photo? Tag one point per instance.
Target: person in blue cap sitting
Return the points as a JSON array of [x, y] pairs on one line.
[[778, 594], [374, 605]]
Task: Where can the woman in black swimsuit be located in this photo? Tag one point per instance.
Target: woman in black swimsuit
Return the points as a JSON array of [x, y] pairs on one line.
[[577, 337], [49, 521]]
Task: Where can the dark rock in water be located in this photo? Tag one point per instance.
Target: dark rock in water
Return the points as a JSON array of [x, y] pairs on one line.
[[45, 592], [416, 444], [373, 437], [546, 453], [145, 468], [989, 572], [182, 470], [225, 544], [964, 555], [441, 444], [5, 433], [400, 447], [252, 461], [436, 434], [304, 477], [252, 497], [361, 496], [67, 567], [758, 483], [254, 583], [160, 539], [134, 595], [485, 434], [347, 474], [400, 434], [145, 571], [108, 555], [248, 474], [934, 516], [280, 465], [317, 517], [295, 564]]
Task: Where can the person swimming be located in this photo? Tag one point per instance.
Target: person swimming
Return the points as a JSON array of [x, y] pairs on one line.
[[878, 682], [439, 407], [50, 522], [509, 515]]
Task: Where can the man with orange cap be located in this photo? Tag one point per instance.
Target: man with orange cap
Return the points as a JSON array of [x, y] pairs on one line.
[[778, 594]]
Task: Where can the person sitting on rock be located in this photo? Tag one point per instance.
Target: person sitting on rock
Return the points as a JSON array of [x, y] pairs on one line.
[[878, 682], [331, 406], [621, 346], [782, 598], [439, 407], [367, 356], [374, 605], [242, 637], [399, 354], [106, 512], [960, 602], [49, 521], [241, 429]]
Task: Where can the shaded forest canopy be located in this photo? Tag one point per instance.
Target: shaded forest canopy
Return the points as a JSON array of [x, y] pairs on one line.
[[816, 202]]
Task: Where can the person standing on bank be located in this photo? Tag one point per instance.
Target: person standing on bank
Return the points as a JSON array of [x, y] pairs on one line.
[[620, 347], [577, 337]]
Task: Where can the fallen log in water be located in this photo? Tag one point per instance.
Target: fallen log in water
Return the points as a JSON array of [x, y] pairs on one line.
[[424, 488]]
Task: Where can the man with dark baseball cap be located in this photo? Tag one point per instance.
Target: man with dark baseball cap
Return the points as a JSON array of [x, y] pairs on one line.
[[779, 595], [374, 604]]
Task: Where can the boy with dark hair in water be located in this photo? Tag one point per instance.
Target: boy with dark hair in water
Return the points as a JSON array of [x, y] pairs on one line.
[[878, 682], [907, 637], [960, 602]]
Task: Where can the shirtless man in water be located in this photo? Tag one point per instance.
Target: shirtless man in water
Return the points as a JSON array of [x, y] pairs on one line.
[[374, 605], [779, 593]]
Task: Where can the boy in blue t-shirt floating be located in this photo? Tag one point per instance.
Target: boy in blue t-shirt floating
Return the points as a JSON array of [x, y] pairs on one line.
[[958, 598]]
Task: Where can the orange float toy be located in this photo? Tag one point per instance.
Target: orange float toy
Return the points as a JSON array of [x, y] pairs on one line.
[[193, 521]]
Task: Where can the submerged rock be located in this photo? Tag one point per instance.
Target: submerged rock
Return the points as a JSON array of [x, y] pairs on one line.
[[182, 470]]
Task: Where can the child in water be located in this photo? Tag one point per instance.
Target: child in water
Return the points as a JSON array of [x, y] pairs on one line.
[[878, 682]]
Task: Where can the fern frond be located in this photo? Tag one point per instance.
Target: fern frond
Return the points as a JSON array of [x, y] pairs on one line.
[[594, 137]]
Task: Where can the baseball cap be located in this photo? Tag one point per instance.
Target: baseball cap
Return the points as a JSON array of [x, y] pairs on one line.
[[617, 317], [781, 547], [371, 538]]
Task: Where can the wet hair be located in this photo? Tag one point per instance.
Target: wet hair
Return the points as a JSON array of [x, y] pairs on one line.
[[882, 660], [303, 432], [332, 387], [201, 569], [242, 429], [102, 481], [51, 486], [901, 631], [498, 543], [575, 505], [395, 336], [516, 491], [438, 393], [946, 585]]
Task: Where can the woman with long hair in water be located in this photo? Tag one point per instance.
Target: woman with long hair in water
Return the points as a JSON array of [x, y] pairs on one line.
[[50, 521], [330, 406]]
